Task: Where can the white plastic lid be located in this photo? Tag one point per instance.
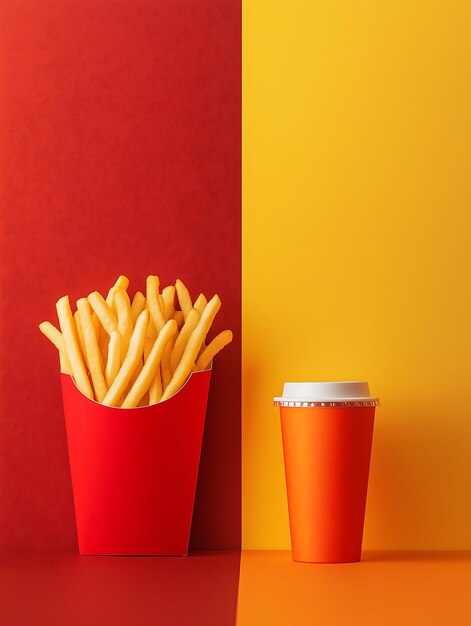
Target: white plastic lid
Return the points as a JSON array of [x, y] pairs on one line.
[[350, 393]]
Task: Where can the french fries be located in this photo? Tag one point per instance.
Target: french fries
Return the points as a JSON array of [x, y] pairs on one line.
[[183, 297], [103, 312], [137, 306], [92, 352], [114, 358], [55, 337], [155, 389], [166, 368], [121, 283], [216, 345], [129, 353], [200, 303], [178, 317], [182, 339], [125, 324], [168, 294], [131, 361], [153, 302], [72, 347], [193, 346], [149, 370], [78, 330]]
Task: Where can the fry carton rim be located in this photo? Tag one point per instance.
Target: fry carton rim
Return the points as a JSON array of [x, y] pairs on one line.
[[147, 406]]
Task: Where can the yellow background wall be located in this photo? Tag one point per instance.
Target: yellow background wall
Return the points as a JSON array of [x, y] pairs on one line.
[[357, 251]]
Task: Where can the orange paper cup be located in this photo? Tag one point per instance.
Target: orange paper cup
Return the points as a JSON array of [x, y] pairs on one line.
[[327, 430]]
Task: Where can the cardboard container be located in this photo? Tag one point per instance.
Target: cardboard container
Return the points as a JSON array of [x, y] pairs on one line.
[[134, 471], [327, 448]]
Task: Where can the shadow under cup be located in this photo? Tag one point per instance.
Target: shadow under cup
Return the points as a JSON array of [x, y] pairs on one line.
[[327, 449], [134, 471]]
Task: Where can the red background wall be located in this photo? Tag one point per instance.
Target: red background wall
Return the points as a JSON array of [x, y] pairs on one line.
[[120, 153]]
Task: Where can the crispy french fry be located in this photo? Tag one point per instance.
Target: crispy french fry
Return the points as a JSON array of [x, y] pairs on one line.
[[78, 330], [200, 303], [64, 363], [114, 358], [178, 317], [149, 370], [144, 401], [55, 336], [155, 389], [96, 324], [182, 339], [151, 331], [133, 356], [92, 352], [183, 298], [103, 339], [98, 327], [148, 347], [103, 311], [125, 324], [138, 305], [168, 294], [165, 364], [134, 376], [122, 282], [193, 346], [153, 302], [216, 345], [103, 343], [74, 355]]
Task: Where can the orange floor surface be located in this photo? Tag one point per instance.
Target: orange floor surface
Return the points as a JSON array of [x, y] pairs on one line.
[[401, 588]]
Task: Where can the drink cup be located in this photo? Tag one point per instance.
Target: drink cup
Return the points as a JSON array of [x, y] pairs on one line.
[[327, 430]]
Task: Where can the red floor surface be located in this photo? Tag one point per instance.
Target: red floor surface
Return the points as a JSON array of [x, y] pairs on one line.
[[68, 590]]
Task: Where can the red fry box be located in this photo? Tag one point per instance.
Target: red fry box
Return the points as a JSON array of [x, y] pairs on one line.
[[134, 471]]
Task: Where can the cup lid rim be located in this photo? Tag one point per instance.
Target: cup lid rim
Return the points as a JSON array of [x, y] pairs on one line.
[[306, 399], [337, 403], [328, 391]]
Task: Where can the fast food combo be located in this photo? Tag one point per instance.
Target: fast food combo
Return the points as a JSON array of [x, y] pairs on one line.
[[135, 375]]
